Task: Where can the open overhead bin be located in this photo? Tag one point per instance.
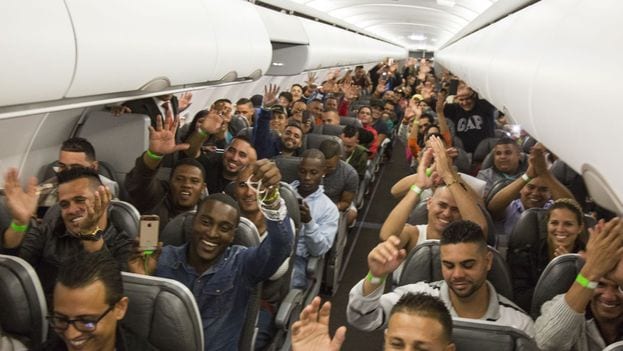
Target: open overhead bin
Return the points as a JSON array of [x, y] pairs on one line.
[[38, 53]]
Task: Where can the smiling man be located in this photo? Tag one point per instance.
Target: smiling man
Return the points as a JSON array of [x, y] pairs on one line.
[[319, 214], [87, 307], [222, 276], [465, 262], [82, 225], [506, 164]]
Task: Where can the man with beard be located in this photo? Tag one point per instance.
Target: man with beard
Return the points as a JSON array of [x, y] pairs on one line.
[[465, 262]]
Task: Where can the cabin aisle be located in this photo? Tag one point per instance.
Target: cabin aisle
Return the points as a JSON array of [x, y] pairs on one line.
[[365, 236]]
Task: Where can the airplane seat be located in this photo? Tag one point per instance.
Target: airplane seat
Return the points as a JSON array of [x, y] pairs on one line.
[[24, 307], [163, 311], [179, 229], [528, 143], [477, 335], [497, 186], [290, 196], [334, 258], [419, 215], [501, 133], [289, 168], [562, 270], [617, 346], [483, 149], [331, 129], [572, 180], [350, 121], [246, 132], [423, 263], [363, 189], [123, 215], [5, 216], [457, 143], [461, 162], [313, 141]]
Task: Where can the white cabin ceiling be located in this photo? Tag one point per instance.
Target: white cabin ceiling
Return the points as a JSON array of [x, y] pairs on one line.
[[414, 24]]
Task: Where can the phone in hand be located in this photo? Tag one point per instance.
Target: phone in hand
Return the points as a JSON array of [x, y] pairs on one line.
[[148, 232], [454, 85]]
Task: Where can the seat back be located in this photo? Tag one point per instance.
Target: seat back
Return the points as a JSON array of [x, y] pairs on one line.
[[461, 162], [5, 216], [332, 129], [123, 215], [313, 140], [499, 185], [562, 270], [289, 168], [23, 303], [617, 346], [246, 234], [350, 121], [477, 335], [483, 149], [290, 196], [163, 311], [424, 264]]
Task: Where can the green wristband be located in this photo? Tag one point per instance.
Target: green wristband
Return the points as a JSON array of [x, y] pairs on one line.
[[416, 189], [154, 156], [429, 172], [583, 281], [18, 228], [374, 280], [202, 132]]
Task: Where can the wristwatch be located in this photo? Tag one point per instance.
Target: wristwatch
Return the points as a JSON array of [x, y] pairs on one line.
[[95, 235]]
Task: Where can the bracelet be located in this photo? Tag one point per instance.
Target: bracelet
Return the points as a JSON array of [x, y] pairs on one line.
[[18, 228], [429, 171], [270, 200], [526, 178], [374, 280], [416, 189], [154, 156], [202, 132], [584, 282]]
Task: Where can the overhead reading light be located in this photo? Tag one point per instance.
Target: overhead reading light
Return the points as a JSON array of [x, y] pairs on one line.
[[448, 3], [278, 64], [416, 37]]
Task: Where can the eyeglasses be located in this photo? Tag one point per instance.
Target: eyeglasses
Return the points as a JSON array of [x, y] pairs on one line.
[[82, 324]]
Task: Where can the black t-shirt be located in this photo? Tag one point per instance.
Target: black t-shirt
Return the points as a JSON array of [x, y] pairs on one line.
[[213, 166], [472, 126]]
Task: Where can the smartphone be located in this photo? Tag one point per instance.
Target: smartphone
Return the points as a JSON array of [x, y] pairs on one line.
[[454, 84], [148, 232]]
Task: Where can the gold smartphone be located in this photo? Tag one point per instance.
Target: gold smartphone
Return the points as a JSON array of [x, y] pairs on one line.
[[148, 232]]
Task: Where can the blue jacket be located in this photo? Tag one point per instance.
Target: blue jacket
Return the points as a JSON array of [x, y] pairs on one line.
[[222, 292]]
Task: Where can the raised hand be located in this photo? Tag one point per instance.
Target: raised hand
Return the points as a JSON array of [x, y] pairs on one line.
[[386, 257], [604, 248], [311, 78], [95, 210], [21, 203], [423, 180], [212, 122], [441, 100], [305, 212], [119, 110], [185, 100], [443, 163], [162, 139], [270, 95], [266, 171], [537, 159], [311, 331]]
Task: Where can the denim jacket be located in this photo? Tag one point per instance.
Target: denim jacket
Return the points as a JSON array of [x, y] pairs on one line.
[[222, 292]]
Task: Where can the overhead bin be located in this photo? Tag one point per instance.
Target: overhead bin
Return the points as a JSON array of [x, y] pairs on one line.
[[38, 53], [128, 45], [559, 78]]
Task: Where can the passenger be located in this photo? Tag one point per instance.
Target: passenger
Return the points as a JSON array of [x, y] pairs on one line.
[[244, 108], [269, 145], [340, 180], [88, 305], [365, 116], [155, 106], [182, 192], [331, 116], [275, 288], [377, 123], [449, 203], [315, 108], [285, 99], [590, 315], [75, 152], [564, 225], [298, 107], [279, 119], [506, 164], [331, 103], [297, 92], [537, 188], [473, 118], [308, 123], [222, 276], [416, 322], [83, 224], [319, 215], [465, 262], [362, 79], [220, 138], [353, 153]]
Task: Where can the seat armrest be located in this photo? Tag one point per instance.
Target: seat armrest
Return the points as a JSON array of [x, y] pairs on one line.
[[312, 264], [289, 304]]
